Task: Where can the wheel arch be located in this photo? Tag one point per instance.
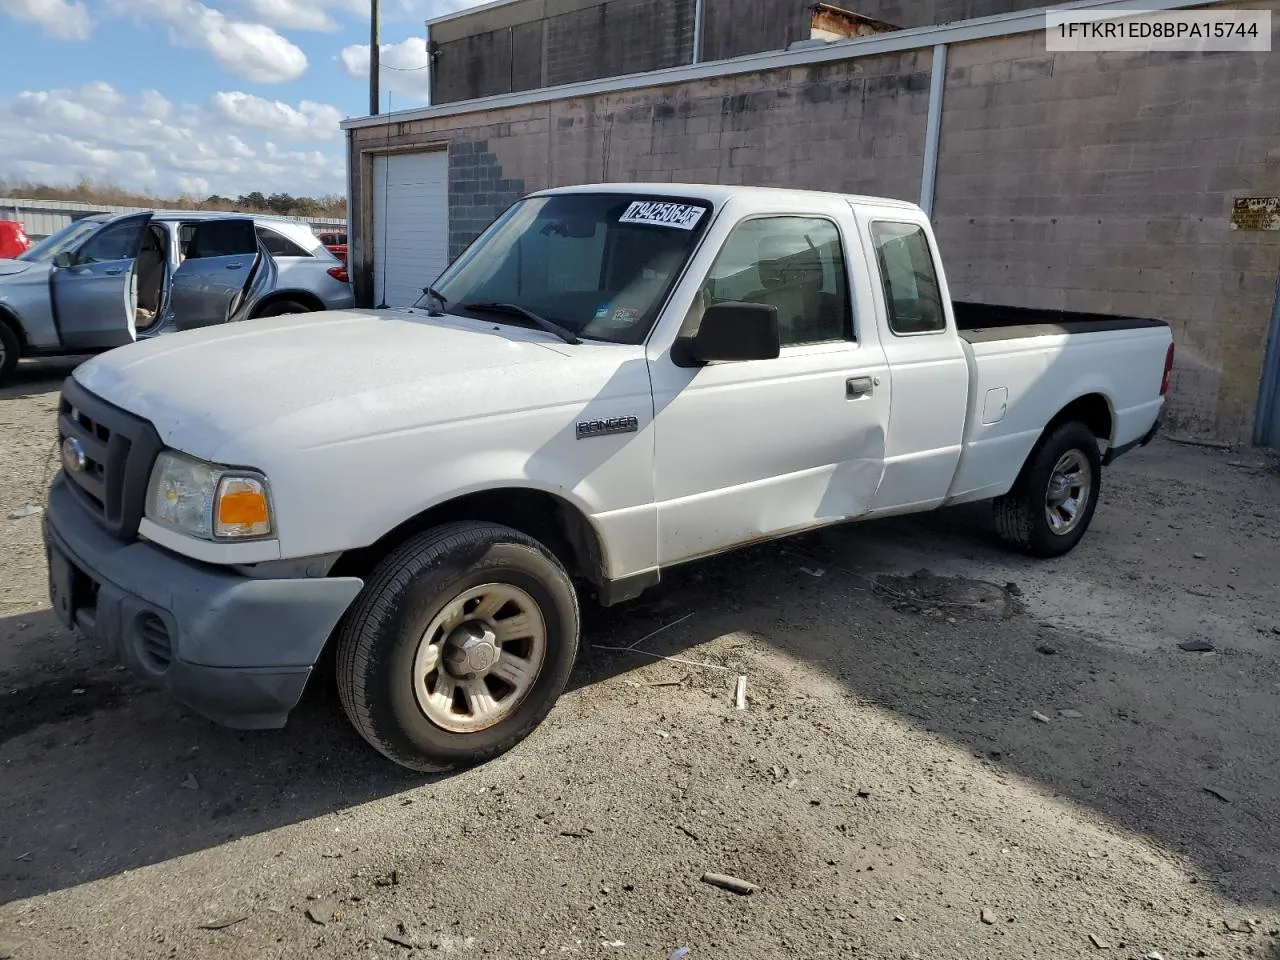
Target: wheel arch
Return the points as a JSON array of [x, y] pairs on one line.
[[10, 318], [304, 297], [1094, 410], [551, 519]]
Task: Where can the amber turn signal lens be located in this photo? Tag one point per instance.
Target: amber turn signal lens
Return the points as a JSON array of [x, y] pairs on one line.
[[241, 508]]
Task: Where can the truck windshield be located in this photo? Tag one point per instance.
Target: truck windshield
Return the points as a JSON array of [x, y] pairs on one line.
[[64, 239], [599, 265]]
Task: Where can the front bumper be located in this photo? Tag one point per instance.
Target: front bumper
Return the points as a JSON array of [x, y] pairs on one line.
[[236, 649]]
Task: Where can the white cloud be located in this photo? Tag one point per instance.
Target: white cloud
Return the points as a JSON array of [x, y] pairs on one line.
[[141, 140], [308, 121], [404, 66], [194, 186], [291, 14], [250, 50], [153, 105], [60, 19]]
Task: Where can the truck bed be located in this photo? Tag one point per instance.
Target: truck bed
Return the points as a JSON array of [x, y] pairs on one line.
[[983, 322]]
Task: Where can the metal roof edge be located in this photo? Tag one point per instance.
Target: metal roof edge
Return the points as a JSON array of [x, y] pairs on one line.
[[478, 8], [916, 38]]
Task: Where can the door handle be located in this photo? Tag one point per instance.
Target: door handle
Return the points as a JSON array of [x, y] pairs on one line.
[[114, 271], [857, 387], [234, 266]]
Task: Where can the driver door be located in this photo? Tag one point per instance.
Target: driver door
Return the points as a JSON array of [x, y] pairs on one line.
[[224, 273], [94, 288]]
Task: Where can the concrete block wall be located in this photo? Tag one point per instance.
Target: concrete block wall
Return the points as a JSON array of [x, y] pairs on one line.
[[1103, 182], [478, 192], [531, 46], [617, 38]]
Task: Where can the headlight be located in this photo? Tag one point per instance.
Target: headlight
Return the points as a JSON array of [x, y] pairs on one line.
[[207, 500]]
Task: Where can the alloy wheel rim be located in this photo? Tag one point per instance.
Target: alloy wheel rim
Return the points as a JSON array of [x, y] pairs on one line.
[[479, 657], [1067, 492]]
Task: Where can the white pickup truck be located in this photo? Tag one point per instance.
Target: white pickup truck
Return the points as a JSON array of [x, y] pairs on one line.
[[612, 380]]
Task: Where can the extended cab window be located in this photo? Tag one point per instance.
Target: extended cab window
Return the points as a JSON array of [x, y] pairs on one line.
[[793, 263], [600, 265], [910, 281]]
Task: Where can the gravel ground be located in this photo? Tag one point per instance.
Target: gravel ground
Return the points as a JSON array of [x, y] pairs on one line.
[[994, 758]]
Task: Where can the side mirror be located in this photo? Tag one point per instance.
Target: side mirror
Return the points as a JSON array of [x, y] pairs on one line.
[[734, 331], [65, 259]]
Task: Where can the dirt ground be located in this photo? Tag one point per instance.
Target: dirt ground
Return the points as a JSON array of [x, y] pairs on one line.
[[893, 787]]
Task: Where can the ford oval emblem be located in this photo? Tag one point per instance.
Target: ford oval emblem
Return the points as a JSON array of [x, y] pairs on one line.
[[73, 457]]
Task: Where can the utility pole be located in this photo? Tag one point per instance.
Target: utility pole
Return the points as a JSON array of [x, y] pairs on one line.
[[375, 59]]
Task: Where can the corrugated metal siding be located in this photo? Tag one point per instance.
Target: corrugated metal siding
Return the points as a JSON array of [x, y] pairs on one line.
[[42, 217]]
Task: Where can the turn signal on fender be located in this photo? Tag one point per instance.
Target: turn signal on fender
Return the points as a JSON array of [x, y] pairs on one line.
[[241, 508]]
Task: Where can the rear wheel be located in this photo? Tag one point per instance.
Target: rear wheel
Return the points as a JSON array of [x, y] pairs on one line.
[[281, 307], [10, 349], [1052, 503], [459, 646]]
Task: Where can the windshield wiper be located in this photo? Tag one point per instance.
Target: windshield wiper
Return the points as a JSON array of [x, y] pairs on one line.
[[548, 325], [435, 295]]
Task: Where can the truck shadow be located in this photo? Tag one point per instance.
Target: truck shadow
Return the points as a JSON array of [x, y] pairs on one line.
[[33, 378], [103, 775]]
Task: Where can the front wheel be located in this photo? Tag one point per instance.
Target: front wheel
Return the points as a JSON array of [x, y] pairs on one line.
[[458, 647], [1051, 504]]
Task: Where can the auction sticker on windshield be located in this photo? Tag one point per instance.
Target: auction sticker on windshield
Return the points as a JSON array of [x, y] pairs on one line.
[[685, 216]]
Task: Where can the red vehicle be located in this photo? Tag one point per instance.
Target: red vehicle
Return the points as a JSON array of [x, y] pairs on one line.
[[14, 240], [335, 243]]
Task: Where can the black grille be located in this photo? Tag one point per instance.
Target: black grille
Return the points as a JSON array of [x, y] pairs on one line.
[[119, 450]]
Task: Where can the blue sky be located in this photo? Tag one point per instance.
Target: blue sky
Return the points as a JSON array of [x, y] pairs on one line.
[[198, 96]]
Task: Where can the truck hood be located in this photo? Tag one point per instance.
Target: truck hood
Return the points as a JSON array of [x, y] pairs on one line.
[[8, 267], [242, 391]]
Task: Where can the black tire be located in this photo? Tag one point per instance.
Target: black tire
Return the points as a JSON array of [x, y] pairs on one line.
[[379, 638], [10, 350], [1021, 514], [281, 307]]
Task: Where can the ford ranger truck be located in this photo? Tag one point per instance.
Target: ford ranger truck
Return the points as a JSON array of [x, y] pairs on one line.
[[610, 381]]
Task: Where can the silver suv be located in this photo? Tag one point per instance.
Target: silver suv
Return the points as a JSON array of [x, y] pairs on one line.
[[106, 280]]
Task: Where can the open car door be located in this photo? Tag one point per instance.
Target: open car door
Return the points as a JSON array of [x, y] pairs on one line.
[[94, 287], [224, 273]]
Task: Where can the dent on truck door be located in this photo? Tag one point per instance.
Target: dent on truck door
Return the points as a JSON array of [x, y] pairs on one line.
[[95, 292], [752, 449], [223, 274]]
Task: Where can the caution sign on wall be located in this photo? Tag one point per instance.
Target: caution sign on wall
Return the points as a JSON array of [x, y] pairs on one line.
[[1255, 213]]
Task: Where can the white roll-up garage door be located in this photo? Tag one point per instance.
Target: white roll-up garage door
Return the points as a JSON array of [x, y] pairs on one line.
[[410, 224]]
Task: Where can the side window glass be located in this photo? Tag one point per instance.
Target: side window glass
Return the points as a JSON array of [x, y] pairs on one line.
[[222, 238], [910, 281], [118, 241], [279, 245], [793, 263]]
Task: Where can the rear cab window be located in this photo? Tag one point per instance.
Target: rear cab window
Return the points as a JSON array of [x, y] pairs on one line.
[[908, 277]]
